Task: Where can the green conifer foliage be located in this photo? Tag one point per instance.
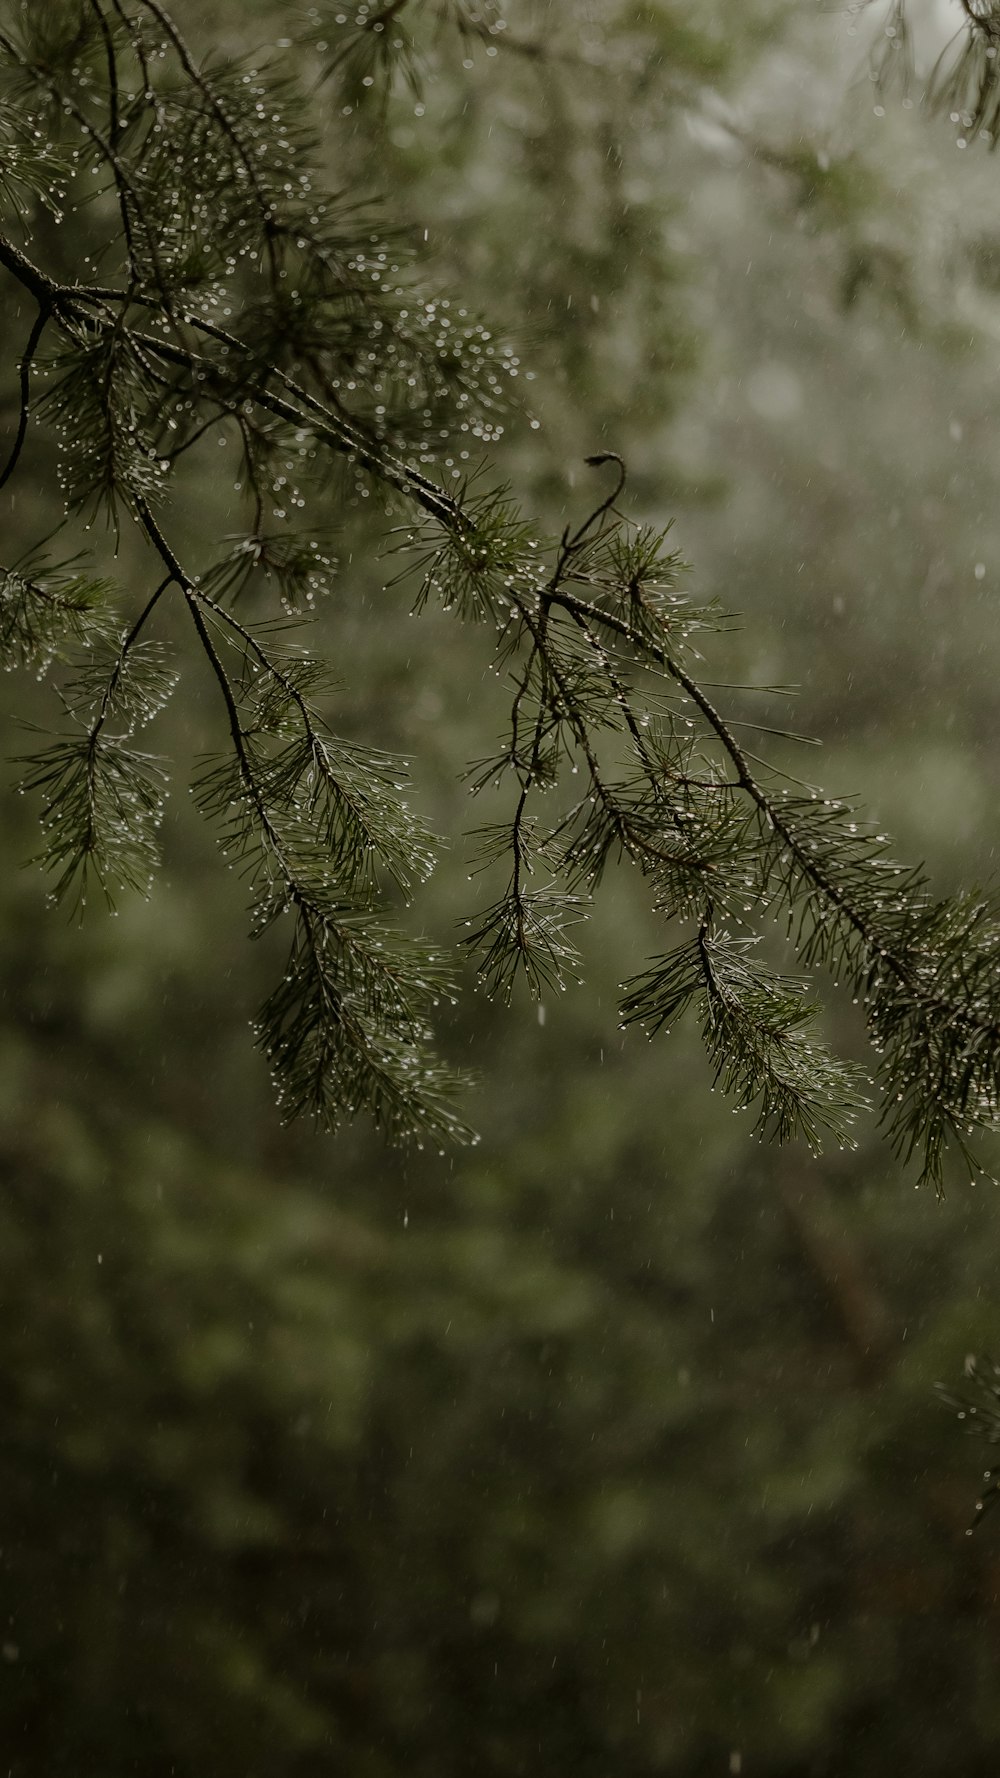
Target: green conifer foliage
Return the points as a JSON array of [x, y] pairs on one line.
[[223, 287]]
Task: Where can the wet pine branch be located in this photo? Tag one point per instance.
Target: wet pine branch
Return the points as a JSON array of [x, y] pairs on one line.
[[226, 291]]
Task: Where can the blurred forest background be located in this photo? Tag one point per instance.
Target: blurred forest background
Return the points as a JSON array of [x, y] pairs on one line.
[[607, 1448]]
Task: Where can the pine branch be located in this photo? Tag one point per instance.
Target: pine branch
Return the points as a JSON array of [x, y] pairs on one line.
[[102, 807], [756, 1025], [964, 81], [235, 293], [349, 1024], [933, 1023], [371, 53], [48, 612], [32, 169]]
